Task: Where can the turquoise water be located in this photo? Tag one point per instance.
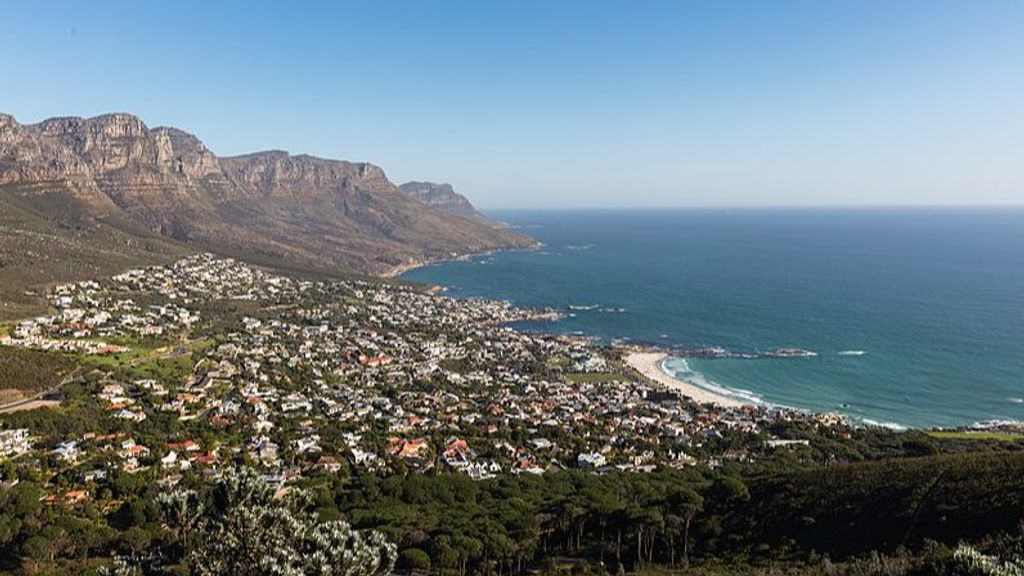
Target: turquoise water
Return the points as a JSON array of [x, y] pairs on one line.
[[916, 316]]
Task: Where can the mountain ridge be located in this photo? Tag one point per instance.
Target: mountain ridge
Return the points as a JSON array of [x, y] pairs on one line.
[[271, 207]]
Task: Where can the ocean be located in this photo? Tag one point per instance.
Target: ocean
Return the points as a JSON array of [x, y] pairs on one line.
[[916, 316]]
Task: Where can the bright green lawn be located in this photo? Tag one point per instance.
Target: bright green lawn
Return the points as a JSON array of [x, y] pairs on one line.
[[964, 435]]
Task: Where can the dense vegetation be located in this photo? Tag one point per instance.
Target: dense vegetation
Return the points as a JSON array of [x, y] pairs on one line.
[[875, 517], [24, 369], [669, 517]]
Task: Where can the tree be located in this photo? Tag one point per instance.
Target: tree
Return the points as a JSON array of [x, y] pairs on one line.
[[414, 559], [685, 504], [970, 562], [243, 527]]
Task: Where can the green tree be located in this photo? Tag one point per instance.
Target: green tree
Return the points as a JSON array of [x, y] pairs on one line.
[[414, 559], [243, 527]]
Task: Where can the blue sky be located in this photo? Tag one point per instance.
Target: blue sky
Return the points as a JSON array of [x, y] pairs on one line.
[[565, 103]]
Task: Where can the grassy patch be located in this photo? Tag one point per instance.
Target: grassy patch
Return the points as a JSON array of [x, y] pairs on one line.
[[965, 435], [29, 370], [130, 356], [165, 369], [558, 362], [167, 363], [459, 365]]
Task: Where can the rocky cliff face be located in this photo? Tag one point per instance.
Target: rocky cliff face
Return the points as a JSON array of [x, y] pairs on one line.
[[271, 207], [444, 198]]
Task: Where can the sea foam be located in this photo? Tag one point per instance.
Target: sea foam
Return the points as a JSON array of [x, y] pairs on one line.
[[889, 425], [679, 369]]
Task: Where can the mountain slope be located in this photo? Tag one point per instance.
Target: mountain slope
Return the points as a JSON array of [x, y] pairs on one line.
[[163, 184], [50, 238], [444, 198]]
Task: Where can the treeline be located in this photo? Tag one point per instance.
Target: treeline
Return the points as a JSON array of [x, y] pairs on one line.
[[881, 517], [676, 518], [882, 505]]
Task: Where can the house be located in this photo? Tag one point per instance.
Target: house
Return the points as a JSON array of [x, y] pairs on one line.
[[206, 458], [186, 446], [95, 475], [378, 361], [363, 457], [73, 497], [170, 459], [680, 459], [308, 444], [14, 442], [328, 464], [591, 460], [408, 448], [126, 414], [483, 471], [541, 443], [67, 451], [457, 452], [786, 443]]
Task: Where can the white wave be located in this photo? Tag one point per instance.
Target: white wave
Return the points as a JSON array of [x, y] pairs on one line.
[[580, 247], [889, 425], [583, 306], [851, 353], [679, 369], [791, 353], [1017, 400], [614, 310], [996, 423]]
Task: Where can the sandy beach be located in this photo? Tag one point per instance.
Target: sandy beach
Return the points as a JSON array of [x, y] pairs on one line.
[[649, 365], [400, 269]]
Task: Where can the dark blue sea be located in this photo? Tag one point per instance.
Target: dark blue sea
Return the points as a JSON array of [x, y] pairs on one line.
[[916, 316]]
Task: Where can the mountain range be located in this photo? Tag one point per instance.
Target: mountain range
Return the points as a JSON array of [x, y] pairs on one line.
[[107, 191]]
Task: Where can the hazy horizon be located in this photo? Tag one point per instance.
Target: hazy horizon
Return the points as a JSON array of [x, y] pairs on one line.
[[574, 105], [982, 208]]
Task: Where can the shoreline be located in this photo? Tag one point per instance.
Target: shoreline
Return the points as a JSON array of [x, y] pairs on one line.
[[398, 270], [649, 365], [646, 362], [646, 359]]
